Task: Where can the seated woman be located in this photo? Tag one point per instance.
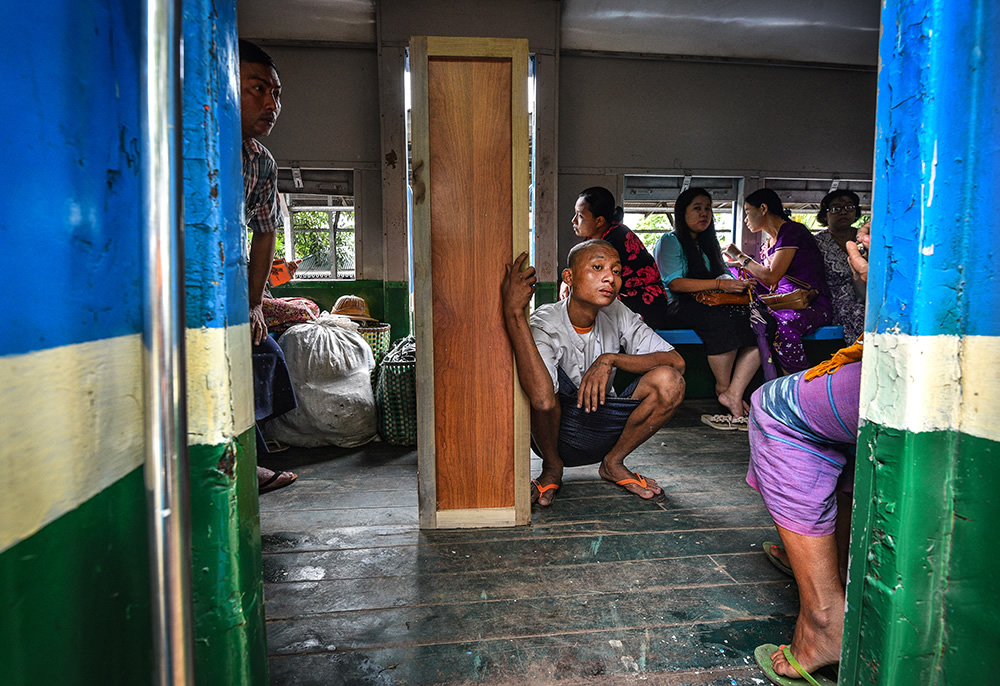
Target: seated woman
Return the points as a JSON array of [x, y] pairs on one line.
[[803, 436], [690, 261], [596, 216], [838, 211], [789, 259]]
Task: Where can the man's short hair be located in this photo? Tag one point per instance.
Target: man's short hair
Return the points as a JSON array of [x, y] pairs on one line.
[[581, 249], [253, 54]]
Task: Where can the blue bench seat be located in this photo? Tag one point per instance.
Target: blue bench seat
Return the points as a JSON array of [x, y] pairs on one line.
[[689, 337]]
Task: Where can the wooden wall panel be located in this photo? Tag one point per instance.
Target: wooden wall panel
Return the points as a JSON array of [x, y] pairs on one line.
[[469, 135], [470, 218]]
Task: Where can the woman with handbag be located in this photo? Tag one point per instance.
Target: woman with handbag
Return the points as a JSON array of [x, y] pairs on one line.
[[705, 297], [790, 275]]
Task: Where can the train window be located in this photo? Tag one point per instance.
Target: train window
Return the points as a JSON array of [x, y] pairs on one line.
[[648, 202], [320, 222], [802, 196]]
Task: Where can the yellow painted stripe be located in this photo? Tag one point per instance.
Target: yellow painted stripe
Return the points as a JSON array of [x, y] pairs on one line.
[[72, 425], [72, 419], [932, 383], [220, 392]]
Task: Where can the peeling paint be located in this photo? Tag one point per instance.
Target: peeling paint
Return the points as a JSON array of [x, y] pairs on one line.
[[932, 383]]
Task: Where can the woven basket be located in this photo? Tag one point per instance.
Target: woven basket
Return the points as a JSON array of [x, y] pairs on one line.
[[396, 399], [377, 337]]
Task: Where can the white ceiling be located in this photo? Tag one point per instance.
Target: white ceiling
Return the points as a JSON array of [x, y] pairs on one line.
[[347, 21], [820, 31]]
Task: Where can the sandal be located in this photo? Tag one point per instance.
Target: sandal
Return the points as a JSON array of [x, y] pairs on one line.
[[641, 481], [722, 422], [542, 489]]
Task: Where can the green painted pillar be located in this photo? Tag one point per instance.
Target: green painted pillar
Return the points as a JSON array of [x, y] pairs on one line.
[[922, 597]]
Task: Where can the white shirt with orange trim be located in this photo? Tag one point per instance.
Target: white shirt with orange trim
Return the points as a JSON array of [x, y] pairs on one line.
[[616, 329]]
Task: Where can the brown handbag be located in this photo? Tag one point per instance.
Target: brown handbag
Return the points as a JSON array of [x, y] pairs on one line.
[[722, 298], [798, 299]]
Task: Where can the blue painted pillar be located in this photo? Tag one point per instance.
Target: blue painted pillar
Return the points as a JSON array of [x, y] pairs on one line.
[[226, 577], [922, 596]]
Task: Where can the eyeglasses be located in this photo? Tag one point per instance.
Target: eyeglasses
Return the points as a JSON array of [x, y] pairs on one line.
[[840, 209]]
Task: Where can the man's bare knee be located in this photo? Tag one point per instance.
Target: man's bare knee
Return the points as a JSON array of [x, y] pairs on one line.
[[666, 386], [545, 403]]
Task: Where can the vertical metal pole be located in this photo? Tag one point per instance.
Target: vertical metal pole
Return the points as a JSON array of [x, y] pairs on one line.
[[166, 468]]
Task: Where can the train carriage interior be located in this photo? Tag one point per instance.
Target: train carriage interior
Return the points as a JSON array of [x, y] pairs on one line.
[[647, 99], [135, 544]]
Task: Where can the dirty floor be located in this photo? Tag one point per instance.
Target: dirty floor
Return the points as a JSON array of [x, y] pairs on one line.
[[602, 588]]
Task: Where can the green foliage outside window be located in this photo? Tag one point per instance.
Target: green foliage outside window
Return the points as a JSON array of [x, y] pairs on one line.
[[311, 231]]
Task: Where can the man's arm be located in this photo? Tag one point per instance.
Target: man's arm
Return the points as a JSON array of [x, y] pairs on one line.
[[261, 258], [516, 290], [594, 384]]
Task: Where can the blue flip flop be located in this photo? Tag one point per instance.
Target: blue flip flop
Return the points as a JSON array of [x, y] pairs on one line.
[[763, 656]]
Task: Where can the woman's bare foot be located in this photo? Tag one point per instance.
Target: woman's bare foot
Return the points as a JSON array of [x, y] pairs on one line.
[[734, 405], [816, 643], [651, 491]]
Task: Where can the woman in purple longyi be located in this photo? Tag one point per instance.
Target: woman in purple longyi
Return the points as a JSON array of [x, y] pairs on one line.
[[803, 435], [789, 259]]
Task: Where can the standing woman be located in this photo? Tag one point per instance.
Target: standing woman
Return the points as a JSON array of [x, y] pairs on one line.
[[788, 252], [838, 211], [596, 216], [690, 261]]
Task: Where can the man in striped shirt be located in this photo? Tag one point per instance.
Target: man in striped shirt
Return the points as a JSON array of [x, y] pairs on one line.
[[260, 105]]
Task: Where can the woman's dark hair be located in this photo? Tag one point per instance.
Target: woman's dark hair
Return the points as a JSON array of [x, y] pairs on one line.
[[765, 196], [824, 205], [695, 245], [602, 204]]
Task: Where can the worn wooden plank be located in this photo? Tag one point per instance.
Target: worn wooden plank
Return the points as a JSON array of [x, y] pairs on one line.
[[320, 596], [310, 497], [274, 520], [647, 608], [724, 649], [567, 551], [318, 531]]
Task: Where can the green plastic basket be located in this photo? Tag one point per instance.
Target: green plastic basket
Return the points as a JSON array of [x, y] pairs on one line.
[[396, 398], [377, 337]]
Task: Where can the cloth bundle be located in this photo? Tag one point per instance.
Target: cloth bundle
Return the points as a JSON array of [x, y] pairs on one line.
[[330, 365]]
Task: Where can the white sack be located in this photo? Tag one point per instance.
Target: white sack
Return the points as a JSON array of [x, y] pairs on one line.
[[330, 366]]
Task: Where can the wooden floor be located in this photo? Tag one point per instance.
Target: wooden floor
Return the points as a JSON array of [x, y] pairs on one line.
[[602, 588]]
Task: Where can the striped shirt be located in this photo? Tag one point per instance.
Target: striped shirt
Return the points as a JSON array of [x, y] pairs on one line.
[[260, 180]]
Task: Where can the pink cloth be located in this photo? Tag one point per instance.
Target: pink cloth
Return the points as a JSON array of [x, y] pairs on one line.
[[803, 437]]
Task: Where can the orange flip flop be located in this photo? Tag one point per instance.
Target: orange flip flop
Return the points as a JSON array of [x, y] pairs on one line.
[[641, 481], [542, 489]]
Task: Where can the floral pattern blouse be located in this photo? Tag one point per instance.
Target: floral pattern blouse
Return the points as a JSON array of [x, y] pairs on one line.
[[848, 305], [642, 290]]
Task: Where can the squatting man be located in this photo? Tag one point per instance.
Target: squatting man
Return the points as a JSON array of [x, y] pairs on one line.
[[567, 354]]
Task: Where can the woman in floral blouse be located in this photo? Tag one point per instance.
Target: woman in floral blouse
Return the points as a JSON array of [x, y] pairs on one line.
[[596, 216], [839, 211]]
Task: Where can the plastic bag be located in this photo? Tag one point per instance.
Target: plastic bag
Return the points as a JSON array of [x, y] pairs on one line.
[[330, 365]]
